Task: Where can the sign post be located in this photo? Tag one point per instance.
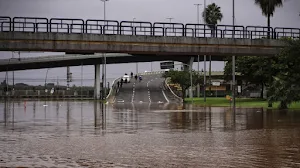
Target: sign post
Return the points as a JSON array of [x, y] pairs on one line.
[[216, 84]]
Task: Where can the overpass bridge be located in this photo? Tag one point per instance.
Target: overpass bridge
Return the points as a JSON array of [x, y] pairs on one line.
[[54, 61], [80, 36], [90, 36]]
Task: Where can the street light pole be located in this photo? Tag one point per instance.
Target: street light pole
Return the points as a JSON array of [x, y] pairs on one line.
[[198, 22], [136, 64], [191, 76], [204, 85], [198, 13], [13, 73], [170, 19], [233, 59], [104, 56]]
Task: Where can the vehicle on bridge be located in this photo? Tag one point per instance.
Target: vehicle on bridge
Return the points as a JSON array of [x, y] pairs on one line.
[[126, 78]]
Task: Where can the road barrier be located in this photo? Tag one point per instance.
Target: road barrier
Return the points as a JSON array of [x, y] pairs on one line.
[[112, 90]]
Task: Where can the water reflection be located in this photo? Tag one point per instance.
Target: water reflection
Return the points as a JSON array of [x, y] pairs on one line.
[[133, 117], [99, 117], [152, 135]]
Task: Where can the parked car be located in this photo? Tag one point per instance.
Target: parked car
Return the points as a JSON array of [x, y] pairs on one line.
[[126, 79]]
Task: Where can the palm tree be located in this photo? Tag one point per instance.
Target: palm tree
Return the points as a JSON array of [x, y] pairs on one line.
[[268, 8], [212, 15]]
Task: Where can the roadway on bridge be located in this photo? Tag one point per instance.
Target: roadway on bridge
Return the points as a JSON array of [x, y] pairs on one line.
[[149, 90]]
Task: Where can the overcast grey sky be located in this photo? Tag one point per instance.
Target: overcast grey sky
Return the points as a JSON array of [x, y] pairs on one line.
[[184, 11]]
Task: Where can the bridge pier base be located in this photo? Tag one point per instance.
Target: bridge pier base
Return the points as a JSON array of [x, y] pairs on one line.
[[97, 82]]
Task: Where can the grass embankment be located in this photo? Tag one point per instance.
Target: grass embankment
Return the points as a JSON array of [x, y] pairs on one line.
[[240, 102]]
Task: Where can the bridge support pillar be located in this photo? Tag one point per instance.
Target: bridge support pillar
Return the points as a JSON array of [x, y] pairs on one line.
[[97, 82]]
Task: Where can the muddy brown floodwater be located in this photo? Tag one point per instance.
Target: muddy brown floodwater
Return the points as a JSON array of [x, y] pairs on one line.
[[88, 134]]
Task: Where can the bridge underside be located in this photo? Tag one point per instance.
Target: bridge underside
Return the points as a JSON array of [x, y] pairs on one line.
[[156, 45], [52, 63]]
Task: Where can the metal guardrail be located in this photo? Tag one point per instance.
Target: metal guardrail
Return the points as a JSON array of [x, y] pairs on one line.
[[113, 27], [112, 90]]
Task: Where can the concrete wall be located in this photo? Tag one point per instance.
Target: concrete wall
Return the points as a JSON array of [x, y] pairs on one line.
[[63, 42]]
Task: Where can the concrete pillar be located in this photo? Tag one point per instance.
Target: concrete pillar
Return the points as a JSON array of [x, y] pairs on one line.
[[97, 82]]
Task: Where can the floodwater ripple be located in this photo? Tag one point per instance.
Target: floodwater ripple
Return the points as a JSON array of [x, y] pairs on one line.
[[91, 134]]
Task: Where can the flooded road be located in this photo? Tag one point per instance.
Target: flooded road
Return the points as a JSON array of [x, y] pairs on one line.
[[79, 134]]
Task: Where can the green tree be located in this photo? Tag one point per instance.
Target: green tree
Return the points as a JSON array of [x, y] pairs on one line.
[[183, 79], [253, 70], [268, 8], [212, 15], [285, 87]]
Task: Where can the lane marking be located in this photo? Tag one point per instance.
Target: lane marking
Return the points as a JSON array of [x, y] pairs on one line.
[[120, 101], [165, 96], [133, 92], [149, 95]]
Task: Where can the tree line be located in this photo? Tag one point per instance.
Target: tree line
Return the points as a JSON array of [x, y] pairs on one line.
[[279, 74]]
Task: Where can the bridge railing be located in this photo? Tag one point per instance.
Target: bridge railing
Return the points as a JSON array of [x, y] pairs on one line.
[[101, 26], [113, 27], [286, 32], [5, 26], [5, 22]]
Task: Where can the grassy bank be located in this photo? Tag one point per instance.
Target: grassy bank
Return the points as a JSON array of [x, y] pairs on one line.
[[240, 102]]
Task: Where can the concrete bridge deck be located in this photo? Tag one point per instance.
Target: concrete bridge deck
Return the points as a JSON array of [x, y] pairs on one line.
[[90, 36], [91, 43]]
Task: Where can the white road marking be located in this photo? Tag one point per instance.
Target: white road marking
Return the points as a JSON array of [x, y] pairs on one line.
[[165, 96], [149, 91], [120, 101], [133, 91]]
